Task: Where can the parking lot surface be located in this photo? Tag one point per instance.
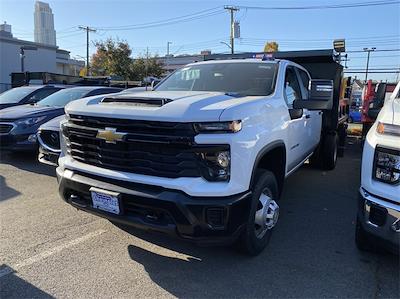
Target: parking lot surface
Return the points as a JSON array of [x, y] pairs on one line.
[[50, 249]]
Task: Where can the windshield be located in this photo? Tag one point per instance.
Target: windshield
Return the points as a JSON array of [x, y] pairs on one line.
[[63, 97], [15, 95], [244, 78]]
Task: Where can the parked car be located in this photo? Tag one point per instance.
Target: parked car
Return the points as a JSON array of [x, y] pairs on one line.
[[18, 125], [355, 116], [48, 136], [203, 156], [378, 217], [27, 94]]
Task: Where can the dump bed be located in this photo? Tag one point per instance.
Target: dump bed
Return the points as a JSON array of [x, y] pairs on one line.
[[321, 64]]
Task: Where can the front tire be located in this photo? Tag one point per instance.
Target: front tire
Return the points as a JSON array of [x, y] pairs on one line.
[[263, 216]]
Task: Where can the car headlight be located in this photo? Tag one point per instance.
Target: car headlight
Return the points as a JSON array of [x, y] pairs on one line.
[[28, 122], [388, 129], [218, 127], [387, 165], [216, 163]]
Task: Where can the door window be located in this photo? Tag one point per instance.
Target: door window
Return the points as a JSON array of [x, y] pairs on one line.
[[292, 88], [41, 94], [305, 80]]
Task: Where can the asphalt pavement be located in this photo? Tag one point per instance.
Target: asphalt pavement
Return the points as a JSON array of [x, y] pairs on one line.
[[49, 249]]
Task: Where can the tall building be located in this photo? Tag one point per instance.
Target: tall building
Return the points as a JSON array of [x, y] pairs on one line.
[[44, 24]]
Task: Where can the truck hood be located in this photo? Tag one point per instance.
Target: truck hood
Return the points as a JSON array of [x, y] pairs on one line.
[[25, 111], [53, 124], [182, 106]]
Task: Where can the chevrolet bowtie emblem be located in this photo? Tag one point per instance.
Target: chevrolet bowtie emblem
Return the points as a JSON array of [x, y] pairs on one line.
[[110, 135]]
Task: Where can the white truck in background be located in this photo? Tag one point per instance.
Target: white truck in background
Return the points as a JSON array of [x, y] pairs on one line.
[[378, 218]]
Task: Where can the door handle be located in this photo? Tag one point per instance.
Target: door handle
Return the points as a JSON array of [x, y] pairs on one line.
[[308, 116]]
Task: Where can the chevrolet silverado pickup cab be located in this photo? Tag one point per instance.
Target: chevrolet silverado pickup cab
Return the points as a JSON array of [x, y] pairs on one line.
[[204, 156], [378, 218]]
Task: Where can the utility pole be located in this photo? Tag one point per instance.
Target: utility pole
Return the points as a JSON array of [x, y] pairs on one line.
[[146, 67], [366, 69], [232, 10], [87, 29], [168, 43]]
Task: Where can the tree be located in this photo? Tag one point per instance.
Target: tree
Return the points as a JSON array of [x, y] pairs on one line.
[[271, 47], [153, 64], [112, 57]]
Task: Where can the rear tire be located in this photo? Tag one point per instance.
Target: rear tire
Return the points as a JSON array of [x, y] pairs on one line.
[[330, 151], [263, 216]]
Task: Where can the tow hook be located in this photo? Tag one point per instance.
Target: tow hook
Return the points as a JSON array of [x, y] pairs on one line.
[[396, 226]]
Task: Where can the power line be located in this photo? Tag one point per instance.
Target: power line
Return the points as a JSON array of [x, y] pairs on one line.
[[329, 6]]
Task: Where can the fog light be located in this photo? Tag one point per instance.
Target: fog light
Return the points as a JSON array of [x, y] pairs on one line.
[[32, 138], [223, 159]]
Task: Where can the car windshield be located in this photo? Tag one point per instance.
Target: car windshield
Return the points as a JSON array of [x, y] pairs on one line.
[[63, 97], [15, 95], [243, 78]]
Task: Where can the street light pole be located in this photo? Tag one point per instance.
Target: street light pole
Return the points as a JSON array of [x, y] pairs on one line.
[[168, 43], [226, 44], [368, 53]]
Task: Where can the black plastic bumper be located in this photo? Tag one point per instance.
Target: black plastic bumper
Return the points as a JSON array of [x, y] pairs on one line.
[[10, 142], [203, 220]]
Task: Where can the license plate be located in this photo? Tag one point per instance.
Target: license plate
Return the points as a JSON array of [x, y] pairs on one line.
[[105, 200]]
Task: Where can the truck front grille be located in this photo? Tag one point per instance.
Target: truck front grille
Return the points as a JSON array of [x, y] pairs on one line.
[[5, 128], [163, 149]]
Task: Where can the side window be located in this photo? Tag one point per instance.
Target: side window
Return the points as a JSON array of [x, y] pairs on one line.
[[292, 88], [41, 94], [305, 80]]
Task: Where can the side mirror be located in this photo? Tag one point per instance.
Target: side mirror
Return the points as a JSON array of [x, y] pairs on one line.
[[320, 96]]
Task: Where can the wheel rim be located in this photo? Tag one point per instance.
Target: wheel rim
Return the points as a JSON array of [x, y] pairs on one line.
[[267, 214]]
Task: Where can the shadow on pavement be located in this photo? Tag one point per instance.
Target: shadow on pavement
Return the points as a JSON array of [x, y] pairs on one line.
[[5, 191], [27, 161], [12, 286], [311, 254]]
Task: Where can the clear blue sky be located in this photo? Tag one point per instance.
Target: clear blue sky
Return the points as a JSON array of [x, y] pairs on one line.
[[377, 26]]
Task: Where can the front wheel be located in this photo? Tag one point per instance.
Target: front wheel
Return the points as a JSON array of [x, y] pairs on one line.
[[264, 213]]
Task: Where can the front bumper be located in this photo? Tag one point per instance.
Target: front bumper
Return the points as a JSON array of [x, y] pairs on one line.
[[18, 142], [47, 156], [380, 218], [203, 220]]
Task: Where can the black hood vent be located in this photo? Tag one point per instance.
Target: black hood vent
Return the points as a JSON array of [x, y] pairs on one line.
[[136, 101]]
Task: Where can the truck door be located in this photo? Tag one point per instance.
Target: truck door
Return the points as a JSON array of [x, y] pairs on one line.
[[313, 118], [298, 139]]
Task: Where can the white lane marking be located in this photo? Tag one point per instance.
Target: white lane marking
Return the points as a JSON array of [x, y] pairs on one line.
[[45, 254]]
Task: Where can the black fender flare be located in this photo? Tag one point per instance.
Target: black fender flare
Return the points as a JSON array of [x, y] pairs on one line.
[[270, 146]]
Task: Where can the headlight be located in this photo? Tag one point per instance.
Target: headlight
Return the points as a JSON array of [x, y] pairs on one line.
[[28, 122], [218, 127], [387, 165], [388, 129], [216, 164]]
